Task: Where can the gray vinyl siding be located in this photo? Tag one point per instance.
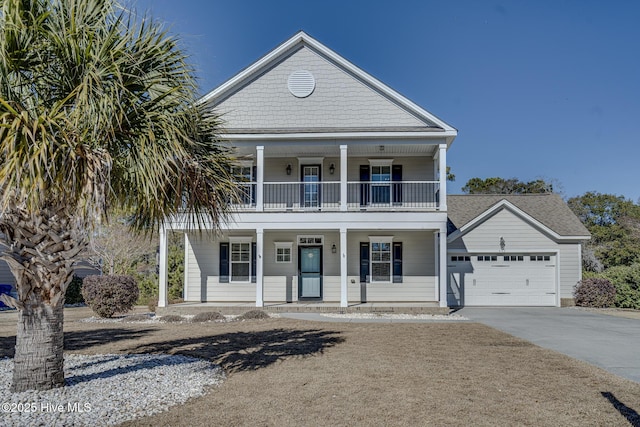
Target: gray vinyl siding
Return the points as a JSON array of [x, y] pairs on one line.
[[519, 236], [413, 168], [266, 102], [570, 268], [281, 279], [418, 267]]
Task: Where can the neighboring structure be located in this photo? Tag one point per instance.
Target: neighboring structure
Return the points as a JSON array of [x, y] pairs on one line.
[[344, 190], [513, 250]]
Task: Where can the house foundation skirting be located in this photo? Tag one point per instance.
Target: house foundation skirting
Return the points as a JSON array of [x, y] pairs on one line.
[[239, 308]]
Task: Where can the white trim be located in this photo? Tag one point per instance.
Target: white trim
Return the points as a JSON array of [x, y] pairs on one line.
[[301, 39], [260, 178], [163, 300], [310, 161], [240, 239], [444, 268], [185, 273], [343, 268], [514, 209], [442, 168], [343, 178], [259, 267], [297, 136], [381, 162]]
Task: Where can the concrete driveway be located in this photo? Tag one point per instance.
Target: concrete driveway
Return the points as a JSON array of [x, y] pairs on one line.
[[612, 343]]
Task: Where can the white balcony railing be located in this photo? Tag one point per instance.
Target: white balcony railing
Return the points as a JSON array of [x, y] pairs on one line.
[[325, 196]]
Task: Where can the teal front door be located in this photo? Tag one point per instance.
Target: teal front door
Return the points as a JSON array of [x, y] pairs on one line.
[[310, 265]]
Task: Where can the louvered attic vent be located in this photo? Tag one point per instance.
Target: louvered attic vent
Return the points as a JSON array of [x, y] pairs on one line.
[[301, 83]]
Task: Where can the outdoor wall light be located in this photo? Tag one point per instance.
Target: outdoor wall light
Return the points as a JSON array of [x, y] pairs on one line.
[[289, 169], [332, 168], [502, 243], [334, 249]]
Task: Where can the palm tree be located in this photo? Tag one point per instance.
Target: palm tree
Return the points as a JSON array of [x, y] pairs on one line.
[[96, 111]]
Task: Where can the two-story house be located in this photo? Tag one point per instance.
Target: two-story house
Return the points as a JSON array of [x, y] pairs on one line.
[[344, 191]]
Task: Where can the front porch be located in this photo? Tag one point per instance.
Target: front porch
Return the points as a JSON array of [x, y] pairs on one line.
[[236, 308], [399, 267]]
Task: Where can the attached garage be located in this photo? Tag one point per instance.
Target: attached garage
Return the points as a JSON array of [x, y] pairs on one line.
[[503, 279], [513, 250]]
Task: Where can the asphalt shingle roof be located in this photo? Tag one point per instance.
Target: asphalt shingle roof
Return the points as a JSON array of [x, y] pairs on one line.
[[549, 209]]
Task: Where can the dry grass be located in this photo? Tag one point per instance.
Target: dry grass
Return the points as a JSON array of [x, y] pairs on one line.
[[285, 372]]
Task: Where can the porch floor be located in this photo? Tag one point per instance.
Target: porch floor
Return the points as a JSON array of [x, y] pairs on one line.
[[305, 307]]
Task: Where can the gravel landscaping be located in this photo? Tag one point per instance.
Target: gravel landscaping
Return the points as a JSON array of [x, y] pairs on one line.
[[108, 389]]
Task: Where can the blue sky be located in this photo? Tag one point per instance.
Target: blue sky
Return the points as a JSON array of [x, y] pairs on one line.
[[537, 89]]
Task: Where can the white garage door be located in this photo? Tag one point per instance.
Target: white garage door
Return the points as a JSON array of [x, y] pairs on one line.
[[502, 279]]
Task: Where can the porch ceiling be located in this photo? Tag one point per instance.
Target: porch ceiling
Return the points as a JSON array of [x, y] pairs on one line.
[[353, 150]]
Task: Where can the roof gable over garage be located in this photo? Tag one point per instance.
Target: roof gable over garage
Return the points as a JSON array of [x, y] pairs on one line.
[[546, 212]]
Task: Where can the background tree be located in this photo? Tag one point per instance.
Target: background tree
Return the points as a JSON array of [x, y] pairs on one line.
[[614, 224], [107, 253], [96, 112], [498, 185]]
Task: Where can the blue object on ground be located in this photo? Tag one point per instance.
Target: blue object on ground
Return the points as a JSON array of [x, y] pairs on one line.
[[5, 289]]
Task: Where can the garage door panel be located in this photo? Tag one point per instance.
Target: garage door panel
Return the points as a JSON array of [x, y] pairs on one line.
[[519, 281]]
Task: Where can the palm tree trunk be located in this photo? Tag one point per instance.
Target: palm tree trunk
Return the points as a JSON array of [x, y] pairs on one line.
[[38, 361]]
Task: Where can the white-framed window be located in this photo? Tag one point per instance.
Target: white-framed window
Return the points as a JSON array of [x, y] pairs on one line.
[[458, 258], [240, 259], [243, 174], [283, 252], [381, 258], [380, 181]]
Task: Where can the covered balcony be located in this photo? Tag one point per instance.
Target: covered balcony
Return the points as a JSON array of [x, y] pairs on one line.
[[369, 179]]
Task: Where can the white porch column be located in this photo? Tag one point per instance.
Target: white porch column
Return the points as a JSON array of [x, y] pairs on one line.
[[344, 300], [162, 267], [259, 265], [442, 158], [260, 178], [343, 177], [442, 271], [436, 254]]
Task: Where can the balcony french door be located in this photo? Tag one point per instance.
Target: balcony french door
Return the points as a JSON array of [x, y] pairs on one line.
[[311, 186]]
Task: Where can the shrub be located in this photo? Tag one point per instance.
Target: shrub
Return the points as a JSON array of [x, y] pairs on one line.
[[253, 314], [73, 294], [207, 316], [594, 292], [172, 318], [148, 286], [626, 279], [107, 295]]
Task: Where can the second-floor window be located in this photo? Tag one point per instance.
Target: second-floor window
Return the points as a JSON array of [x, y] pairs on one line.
[[244, 176], [381, 184]]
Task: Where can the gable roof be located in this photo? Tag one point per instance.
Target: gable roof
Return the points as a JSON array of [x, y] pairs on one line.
[[546, 210], [345, 99]]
